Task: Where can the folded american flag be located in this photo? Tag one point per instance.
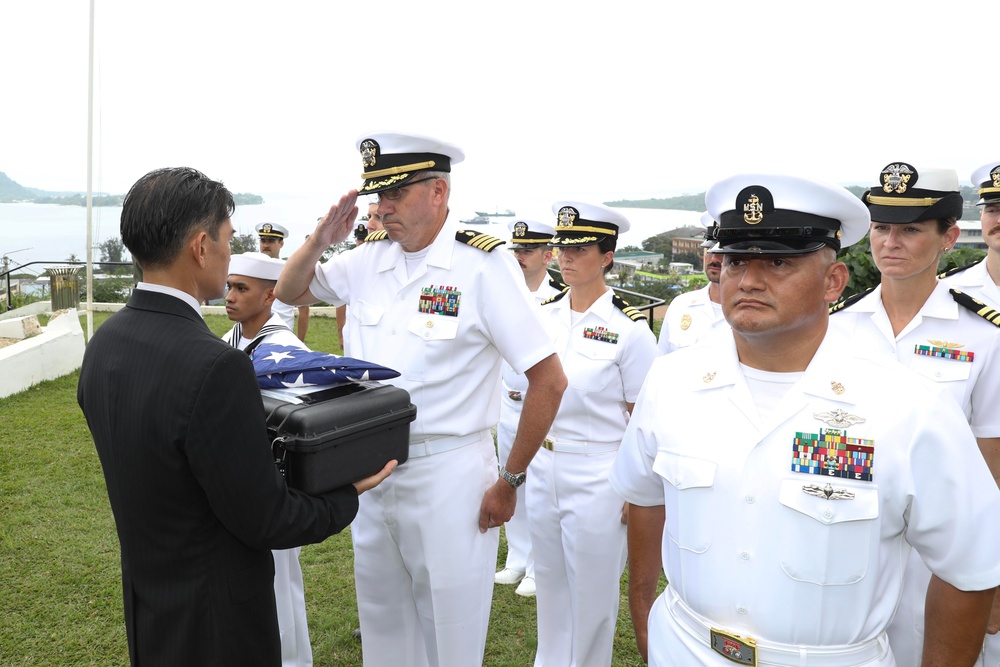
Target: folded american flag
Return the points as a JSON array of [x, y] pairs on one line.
[[285, 367]]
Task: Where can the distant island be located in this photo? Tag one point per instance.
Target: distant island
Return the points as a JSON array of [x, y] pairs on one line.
[[11, 191], [697, 202]]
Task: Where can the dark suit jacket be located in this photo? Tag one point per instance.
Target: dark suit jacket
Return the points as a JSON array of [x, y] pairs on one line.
[[178, 423]]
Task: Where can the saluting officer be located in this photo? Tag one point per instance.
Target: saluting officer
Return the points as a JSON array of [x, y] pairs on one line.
[[916, 319], [982, 279], [575, 518], [784, 538], [529, 243], [442, 307], [272, 237]]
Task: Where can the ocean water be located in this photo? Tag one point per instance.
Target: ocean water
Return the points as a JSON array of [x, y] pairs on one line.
[[51, 233]]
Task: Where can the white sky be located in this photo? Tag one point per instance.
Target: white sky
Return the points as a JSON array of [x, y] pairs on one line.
[[549, 99]]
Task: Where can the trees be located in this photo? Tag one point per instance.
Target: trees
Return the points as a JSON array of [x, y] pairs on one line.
[[241, 243], [113, 250]]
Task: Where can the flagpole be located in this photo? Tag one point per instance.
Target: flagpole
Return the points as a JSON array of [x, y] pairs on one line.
[[90, 179]]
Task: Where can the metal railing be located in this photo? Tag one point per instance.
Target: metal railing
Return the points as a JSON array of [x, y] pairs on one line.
[[5, 275]]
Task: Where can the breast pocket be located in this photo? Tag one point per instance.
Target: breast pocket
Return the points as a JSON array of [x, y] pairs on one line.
[[592, 366], [941, 370], [827, 542], [687, 496], [433, 361]]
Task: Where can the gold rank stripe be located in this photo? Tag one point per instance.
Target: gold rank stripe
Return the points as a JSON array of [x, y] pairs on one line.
[[392, 171], [975, 305], [986, 191], [379, 235], [904, 201], [481, 241]]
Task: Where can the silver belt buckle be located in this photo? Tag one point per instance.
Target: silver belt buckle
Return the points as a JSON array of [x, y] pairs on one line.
[[742, 650]]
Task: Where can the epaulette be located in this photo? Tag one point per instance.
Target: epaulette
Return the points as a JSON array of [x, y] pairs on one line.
[[557, 284], [621, 304], [975, 305], [380, 235], [959, 269], [553, 299], [850, 301], [481, 241]]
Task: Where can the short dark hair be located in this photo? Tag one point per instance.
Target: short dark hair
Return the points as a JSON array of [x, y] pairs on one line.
[[165, 206]]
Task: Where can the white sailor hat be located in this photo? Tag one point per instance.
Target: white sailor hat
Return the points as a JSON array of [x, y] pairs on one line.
[[255, 265], [579, 224], [906, 195], [986, 179], [764, 214], [529, 233], [391, 159], [271, 230], [708, 222]]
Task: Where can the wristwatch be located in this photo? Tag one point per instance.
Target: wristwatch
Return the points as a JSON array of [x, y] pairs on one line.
[[514, 479]]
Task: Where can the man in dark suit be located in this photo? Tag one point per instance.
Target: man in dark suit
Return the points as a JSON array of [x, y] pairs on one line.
[[177, 420]]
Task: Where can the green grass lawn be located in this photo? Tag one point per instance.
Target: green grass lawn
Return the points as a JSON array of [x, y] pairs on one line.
[[59, 562]]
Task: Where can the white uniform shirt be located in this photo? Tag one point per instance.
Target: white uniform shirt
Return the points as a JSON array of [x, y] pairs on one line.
[[941, 324], [285, 312], [976, 281], [450, 364], [513, 381], [279, 337], [747, 548], [689, 317], [605, 356]]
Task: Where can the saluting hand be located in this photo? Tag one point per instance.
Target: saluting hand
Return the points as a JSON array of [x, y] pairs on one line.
[[338, 222]]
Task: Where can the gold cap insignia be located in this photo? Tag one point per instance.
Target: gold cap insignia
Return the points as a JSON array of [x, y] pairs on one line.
[[266, 228], [520, 229], [567, 216], [995, 175], [369, 153], [895, 177], [753, 211]]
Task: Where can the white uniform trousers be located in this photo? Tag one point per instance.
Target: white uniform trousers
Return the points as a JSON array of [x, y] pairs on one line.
[[991, 652], [519, 556], [580, 552], [675, 640], [423, 571], [290, 598]]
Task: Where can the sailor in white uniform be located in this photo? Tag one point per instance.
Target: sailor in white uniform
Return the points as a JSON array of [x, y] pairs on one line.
[[529, 243], [272, 238], [249, 297], [982, 279], [695, 314], [919, 321], [442, 306], [575, 518], [784, 538]]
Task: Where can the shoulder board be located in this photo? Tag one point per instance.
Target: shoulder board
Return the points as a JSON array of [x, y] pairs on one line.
[[850, 301], [380, 235], [553, 299], [476, 240], [621, 304], [976, 306], [557, 284], [958, 269]]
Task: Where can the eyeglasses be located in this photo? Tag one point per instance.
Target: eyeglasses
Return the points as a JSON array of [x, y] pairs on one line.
[[393, 194]]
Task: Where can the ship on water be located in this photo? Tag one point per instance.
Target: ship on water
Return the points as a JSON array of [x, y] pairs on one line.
[[480, 219], [506, 214]]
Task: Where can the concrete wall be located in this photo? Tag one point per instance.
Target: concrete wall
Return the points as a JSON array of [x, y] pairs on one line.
[[56, 351]]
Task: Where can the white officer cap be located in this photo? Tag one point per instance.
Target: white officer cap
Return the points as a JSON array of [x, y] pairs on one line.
[[579, 224], [767, 214], [271, 230], [392, 159], [708, 222], [255, 265], [529, 233], [905, 194], [987, 180]]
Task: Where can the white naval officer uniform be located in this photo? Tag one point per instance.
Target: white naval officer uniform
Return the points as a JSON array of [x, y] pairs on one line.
[[941, 322], [814, 579], [689, 317], [513, 386], [424, 572], [574, 515], [976, 281], [285, 312], [289, 589]]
